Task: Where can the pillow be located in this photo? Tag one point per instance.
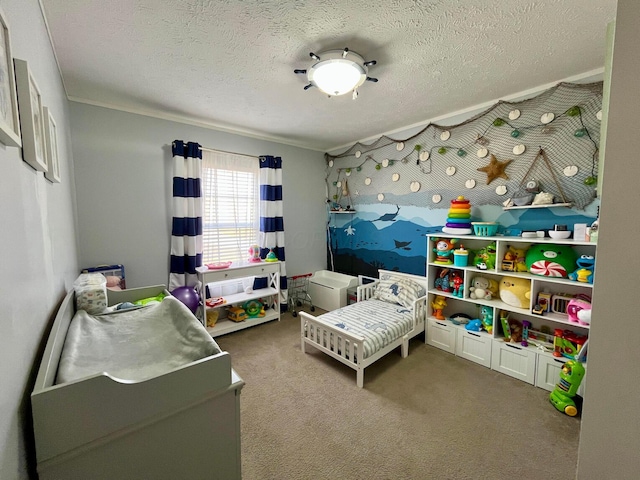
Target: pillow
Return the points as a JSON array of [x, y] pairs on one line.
[[401, 290]]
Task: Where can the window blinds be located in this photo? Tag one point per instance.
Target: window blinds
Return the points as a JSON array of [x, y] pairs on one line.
[[231, 219]]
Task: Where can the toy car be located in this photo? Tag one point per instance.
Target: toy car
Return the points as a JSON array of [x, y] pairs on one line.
[[237, 314]]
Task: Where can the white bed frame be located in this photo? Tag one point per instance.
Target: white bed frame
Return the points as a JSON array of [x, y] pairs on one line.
[[313, 330], [183, 424]]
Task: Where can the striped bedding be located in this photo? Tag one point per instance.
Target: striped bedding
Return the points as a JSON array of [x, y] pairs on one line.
[[378, 322]]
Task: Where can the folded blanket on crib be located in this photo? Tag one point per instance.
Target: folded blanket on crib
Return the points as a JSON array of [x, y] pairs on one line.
[[134, 345]]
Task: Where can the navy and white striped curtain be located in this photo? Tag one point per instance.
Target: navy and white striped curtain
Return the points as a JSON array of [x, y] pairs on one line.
[[271, 222], [186, 229]]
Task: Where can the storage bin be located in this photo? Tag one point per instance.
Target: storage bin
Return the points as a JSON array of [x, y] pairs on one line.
[[485, 229], [328, 289], [514, 360]]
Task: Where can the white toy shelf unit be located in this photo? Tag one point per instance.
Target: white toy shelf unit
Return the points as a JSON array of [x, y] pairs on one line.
[[543, 307]]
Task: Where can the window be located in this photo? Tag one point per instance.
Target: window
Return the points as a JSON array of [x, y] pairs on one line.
[[231, 220]]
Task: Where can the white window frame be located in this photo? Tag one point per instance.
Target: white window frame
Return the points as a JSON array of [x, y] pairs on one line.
[[231, 196]]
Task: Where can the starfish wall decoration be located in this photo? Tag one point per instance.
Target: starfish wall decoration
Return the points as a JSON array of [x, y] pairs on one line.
[[495, 169]]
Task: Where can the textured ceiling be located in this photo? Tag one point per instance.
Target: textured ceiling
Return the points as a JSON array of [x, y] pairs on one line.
[[229, 63]]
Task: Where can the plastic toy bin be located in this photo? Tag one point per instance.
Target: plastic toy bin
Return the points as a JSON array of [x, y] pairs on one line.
[[485, 229], [328, 290]]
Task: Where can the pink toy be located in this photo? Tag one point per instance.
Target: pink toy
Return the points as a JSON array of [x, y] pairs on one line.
[[254, 251], [579, 310]]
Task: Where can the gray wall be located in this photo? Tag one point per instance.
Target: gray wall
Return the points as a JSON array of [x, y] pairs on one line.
[[610, 435], [38, 258], [123, 181]]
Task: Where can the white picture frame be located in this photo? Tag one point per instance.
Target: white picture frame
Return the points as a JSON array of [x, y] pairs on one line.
[[31, 117], [9, 116], [51, 141]]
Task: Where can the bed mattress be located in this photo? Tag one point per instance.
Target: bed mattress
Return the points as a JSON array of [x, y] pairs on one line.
[[134, 345], [377, 322]]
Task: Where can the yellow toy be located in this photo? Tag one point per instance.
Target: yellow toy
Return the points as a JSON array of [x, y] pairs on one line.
[[237, 314], [438, 304], [517, 256], [515, 291]]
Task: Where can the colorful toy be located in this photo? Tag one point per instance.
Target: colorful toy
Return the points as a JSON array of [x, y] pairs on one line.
[[515, 291], [483, 288], [559, 302], [579, 310], [550, 260], [474, 325], [254, 251], [567, 343], [515, 331], [237, 314], [485, 258], [504, 321], [526, 325], [271, 257], [486, 317], [443, 283], [461, 256], [514, 259], [459, 217], [544, 301], [438, 304], [458, 286], [188, 296], [585, 270], [444, 250], [254, 308], [562, 396]]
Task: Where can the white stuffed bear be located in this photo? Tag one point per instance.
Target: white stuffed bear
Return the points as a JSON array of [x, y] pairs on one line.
[[482, 288]]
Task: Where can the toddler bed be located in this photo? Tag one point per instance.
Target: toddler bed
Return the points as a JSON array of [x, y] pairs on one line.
[[389, 312], [143, 393]]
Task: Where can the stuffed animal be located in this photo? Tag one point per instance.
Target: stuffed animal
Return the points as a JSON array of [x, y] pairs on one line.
[[515, 328], [443, 283], [551, 260], [474, 325], [483, 288], [485, 258], [518, 256], [585, 270], [515, 291], [486, 317]]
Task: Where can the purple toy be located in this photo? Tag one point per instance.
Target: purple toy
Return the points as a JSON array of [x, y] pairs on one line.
[[188, 296]]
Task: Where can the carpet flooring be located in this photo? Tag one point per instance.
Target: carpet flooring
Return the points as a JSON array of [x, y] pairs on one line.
[[431, 415]]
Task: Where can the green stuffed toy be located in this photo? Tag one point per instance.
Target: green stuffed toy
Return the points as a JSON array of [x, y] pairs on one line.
[[485, 258], [550, 260]]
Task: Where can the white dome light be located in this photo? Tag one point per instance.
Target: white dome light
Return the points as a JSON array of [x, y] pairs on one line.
[[337, 72]]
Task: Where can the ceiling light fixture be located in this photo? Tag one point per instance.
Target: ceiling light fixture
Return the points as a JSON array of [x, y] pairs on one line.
[[336, 72]]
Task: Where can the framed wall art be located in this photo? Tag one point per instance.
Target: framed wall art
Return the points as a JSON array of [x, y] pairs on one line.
[[51, 143], [31, 117], [9, 119]]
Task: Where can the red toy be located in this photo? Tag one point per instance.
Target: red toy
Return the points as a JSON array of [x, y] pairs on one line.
[[567, 343]]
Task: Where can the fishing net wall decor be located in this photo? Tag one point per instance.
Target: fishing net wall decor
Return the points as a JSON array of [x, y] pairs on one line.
[[513, 153]]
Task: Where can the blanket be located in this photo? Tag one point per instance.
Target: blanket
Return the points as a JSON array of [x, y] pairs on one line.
[[134, 345]]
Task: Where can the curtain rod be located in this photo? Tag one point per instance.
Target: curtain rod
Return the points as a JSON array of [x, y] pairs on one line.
[[205, 149]]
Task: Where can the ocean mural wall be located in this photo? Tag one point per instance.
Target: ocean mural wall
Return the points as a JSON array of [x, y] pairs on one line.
[[540, 155], [393, 237]]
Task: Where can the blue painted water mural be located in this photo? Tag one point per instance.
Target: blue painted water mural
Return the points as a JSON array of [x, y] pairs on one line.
[[394, 237]]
